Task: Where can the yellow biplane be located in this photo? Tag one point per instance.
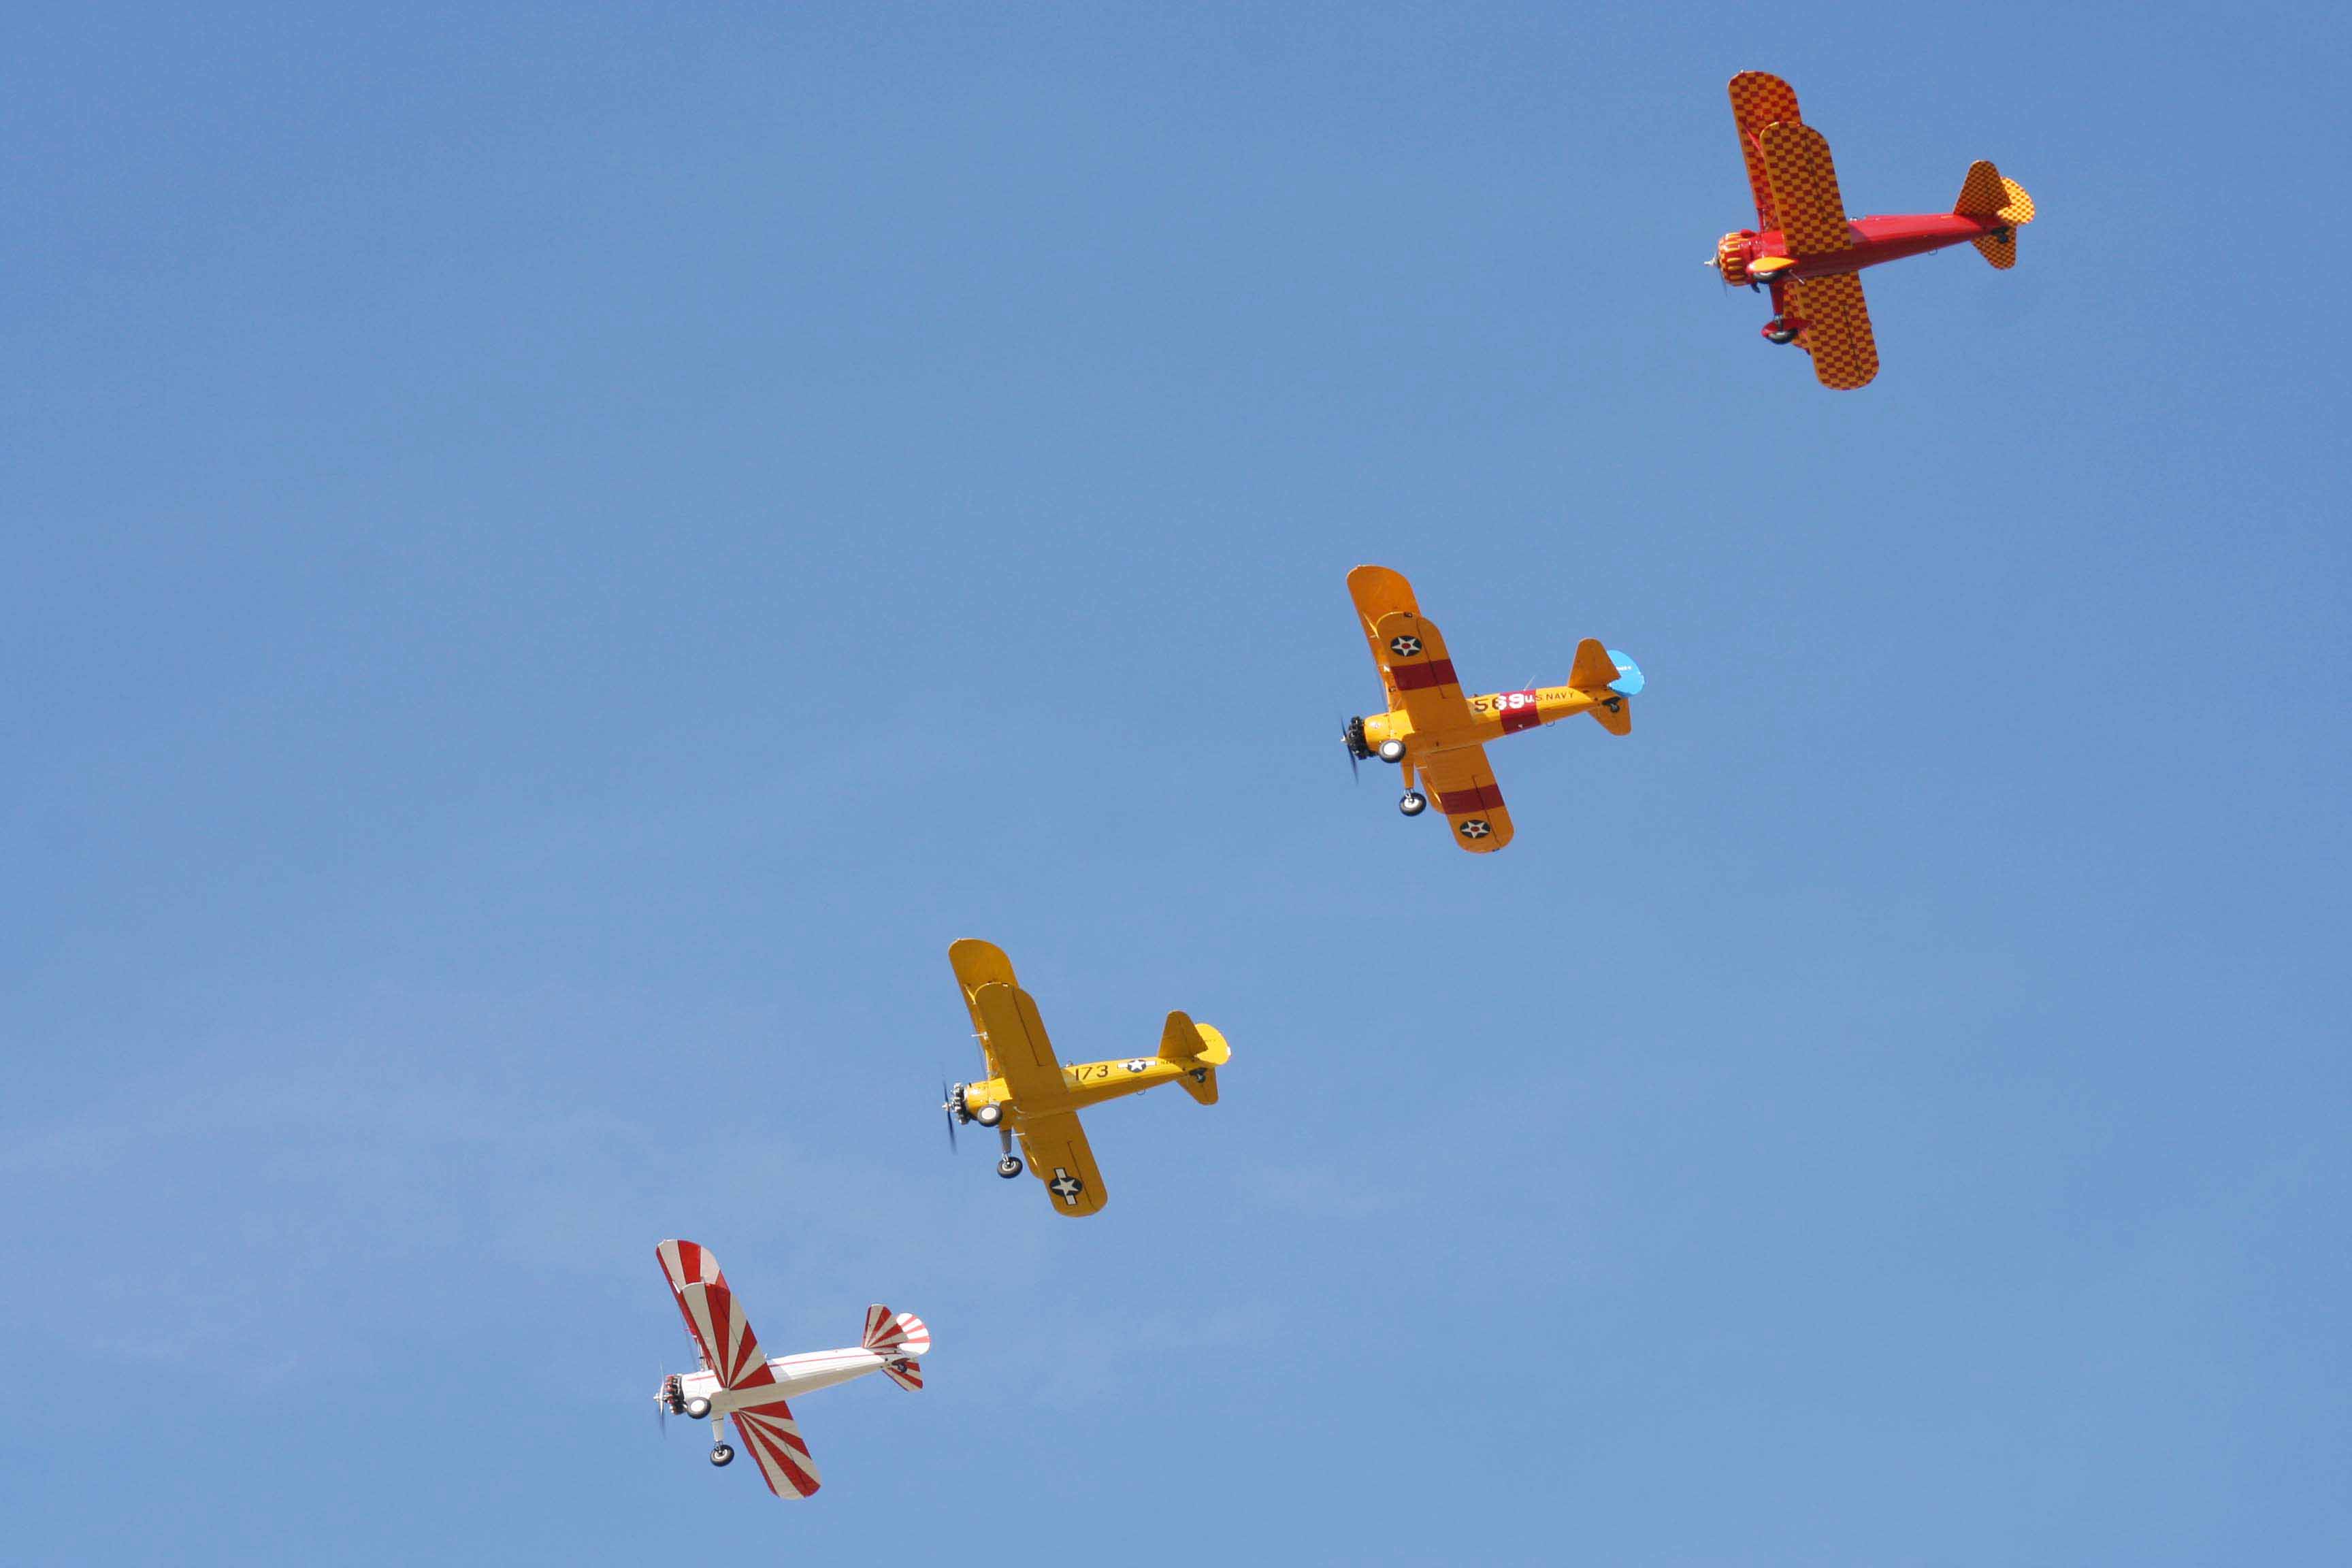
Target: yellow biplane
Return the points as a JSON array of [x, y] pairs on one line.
[[1028, 1092], [1434, 731]]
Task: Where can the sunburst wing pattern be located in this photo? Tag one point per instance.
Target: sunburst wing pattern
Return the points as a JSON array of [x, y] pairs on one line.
[[723, 1336], [688, 1263], [772, 1438]]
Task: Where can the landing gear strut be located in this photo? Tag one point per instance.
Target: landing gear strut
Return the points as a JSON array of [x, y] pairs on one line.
[[1010, 1166]]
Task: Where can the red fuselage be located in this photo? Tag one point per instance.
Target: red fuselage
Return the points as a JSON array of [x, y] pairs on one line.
[[1876, 239]]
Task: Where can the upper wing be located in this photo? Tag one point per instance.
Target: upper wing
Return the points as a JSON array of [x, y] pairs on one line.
[[728, 1346], [978, 964], [1760, 98], [1377, 590], [1057, 1152], [1805, 189], [773, 1438], [1465, 791], [1018, 1044], [1412, 653], [686, 1263], [1837, 330]]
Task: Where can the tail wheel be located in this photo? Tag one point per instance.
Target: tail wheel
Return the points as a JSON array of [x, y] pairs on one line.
[[1413, 803], [1009, 1167], [722, 1456]]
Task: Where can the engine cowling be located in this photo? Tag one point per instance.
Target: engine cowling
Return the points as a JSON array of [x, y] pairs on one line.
[[1731, 257]]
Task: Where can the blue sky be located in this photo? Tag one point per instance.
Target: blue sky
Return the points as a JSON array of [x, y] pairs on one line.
[[552, 558]]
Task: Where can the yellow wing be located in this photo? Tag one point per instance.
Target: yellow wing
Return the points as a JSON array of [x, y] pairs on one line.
[[978, 964], [1018, 1047], [1805, 189], [1837, 330], [1465, 790], [1412, 653], [1759, 99], [1377, 590], [1055, 1148]]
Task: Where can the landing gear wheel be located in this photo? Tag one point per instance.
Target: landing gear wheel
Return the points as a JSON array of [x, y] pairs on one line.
[[989, 1115], [1413, 803], [696, 1409], [1009, 1167], [1392, 751], [1775, 333], [722, 1456]]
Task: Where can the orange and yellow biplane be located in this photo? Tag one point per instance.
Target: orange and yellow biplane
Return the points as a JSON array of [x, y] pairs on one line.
[[1028, 1092], [1434, 731], [1808, 253]]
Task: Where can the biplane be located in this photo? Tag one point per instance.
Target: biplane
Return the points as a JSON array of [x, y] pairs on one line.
[[740, 1384], [1030, 1094], [1437, 734], [1808, 253]]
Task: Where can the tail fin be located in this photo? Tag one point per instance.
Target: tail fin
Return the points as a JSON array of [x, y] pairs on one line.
[[1199, 1050], [1987, 192], [899, 1337], [1612, 676], [895, 1333]]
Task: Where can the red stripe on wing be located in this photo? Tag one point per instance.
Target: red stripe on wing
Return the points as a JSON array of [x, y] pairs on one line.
[[1414, 677], [1480, 797]]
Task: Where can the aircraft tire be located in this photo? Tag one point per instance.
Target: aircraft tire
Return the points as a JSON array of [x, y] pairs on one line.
[[1413, 803], [1779, 335], [696, 1409], [722, 1456], [1392, 751], [1009, 1167], [989, 1115]]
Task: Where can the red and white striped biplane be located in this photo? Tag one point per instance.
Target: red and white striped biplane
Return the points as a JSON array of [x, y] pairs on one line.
[[740, 1384]]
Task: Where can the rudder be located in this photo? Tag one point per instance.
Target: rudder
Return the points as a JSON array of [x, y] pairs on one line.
[[1987, 193]]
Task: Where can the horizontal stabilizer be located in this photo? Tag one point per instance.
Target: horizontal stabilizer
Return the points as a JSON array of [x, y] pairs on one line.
[[1629, 681], [896, 1333], [908, 1375]]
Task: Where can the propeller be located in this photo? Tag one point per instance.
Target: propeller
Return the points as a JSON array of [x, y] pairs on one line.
[[1348, 738], [947, 1104]]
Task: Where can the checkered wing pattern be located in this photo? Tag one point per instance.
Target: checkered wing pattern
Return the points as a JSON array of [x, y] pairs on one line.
[[771, 1436], [727, 1345], [1760, 98], [1837, 330], [1463, 789], [895, 1333], [1805, 190]]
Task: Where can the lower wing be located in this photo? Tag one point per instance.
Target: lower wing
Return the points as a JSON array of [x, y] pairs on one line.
[[1465, 790], [1836, 331], [773, 1438], [1059, 1157]]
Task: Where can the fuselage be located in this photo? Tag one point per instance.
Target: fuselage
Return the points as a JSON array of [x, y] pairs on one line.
[[1088, 1083], [1489, 716], [793, 1374], [1876, 239]]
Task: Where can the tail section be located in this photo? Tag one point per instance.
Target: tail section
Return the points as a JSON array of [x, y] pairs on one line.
[[1199, 1050], [899, 1337], [1610, 676], [1988, 193]]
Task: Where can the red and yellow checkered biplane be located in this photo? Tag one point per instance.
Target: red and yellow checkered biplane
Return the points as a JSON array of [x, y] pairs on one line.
[[1808, 252]]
